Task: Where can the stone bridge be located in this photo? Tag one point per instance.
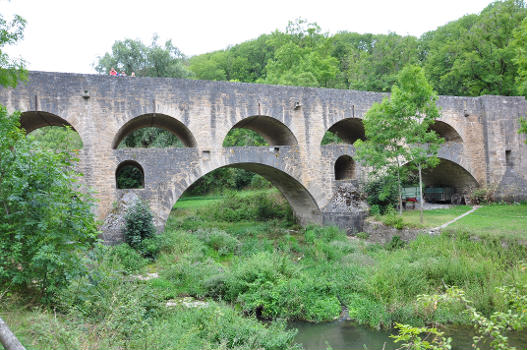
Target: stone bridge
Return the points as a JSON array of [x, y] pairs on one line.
[[483, 147]]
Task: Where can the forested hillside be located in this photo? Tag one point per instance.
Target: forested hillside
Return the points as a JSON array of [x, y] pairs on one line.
[[474, 55]]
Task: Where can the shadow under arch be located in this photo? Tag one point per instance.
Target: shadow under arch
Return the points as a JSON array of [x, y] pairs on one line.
[[272, 130], [344, 168], [446, 131], [304, 206], [33, 120], [349, 130], [450, 174], [156, 120]]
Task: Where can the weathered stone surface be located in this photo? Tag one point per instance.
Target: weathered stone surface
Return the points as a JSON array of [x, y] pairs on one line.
[[347, 209], [482, 148], [113, 226]]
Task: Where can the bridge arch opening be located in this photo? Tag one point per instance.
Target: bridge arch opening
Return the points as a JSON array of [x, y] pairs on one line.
[[446, 131], [154, 130], [345, 131], [129, 175], [291, 193], [447, 175], [344, 168], [263, 131], [49, 131]]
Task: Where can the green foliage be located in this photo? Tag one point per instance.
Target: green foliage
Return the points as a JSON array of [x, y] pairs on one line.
[[54, 138], [330, 138], [381, 193], [397, 130], [493, 328], [139, 225], [46, 220], [395, 243], [150, 137], [262, 206], [475, 55], [523, 127], [520, 58], [146, 61], [130, 176], [421, 338], [243, 137], [11, 70], [392, 219]]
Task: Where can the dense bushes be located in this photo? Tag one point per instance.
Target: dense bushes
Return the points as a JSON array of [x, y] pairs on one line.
[[45, 219], [262, 206], [139, 226]]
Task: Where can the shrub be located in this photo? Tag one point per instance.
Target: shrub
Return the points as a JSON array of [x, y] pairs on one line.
[[375, 209], [46, 221], [382, 191], [139, 225], [218, 240], [395, 243]]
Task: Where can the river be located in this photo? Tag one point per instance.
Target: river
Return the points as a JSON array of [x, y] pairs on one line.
[[347, 335]]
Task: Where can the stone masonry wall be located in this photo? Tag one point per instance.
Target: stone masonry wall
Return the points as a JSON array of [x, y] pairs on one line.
[[99, 107]]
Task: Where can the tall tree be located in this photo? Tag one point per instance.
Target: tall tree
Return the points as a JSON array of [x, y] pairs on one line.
[[415, 100], [397, 129]]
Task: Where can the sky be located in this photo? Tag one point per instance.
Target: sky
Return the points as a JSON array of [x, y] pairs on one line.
[[69, 35]]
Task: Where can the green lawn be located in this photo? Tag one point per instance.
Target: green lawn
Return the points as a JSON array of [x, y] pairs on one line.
[[500, 220], [435, 217]]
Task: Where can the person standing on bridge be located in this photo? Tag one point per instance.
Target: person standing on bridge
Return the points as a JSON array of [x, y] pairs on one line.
[[113, 72]]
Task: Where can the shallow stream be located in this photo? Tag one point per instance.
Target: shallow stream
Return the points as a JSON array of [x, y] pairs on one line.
[[347, 335]]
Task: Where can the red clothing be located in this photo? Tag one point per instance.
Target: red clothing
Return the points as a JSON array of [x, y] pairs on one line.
[[112, 72]]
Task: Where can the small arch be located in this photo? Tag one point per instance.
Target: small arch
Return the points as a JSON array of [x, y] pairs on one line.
[[274, 132], [129, 175], [347, 130], [157, 120], [344, 168], [446, 131]]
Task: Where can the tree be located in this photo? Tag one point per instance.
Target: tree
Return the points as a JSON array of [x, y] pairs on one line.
[[415, 100], [474, 55], [11, 70], [520, 58], [45, 220], [397, 129], [146, 61]]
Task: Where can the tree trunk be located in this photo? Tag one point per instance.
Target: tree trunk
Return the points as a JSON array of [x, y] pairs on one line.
[[420, 195], [8, 339], [399, 186]]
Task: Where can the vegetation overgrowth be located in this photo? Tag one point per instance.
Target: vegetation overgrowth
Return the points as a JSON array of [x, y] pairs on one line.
[[269, 269]]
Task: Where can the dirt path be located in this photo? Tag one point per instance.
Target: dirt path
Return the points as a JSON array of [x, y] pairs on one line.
[[438, 228]]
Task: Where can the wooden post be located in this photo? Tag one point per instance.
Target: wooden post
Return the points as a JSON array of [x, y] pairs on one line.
[[8, 339]]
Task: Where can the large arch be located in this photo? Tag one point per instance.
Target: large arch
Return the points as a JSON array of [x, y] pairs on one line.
[[300, 199], [157, 120], [446, 131], [451, 174], [33, 120], [272, 130], [349, 130]]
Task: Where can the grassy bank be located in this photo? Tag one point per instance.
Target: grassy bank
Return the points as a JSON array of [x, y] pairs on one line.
[[243, 255]]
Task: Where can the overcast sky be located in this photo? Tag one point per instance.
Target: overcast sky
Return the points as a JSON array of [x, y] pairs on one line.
[[68, 35]]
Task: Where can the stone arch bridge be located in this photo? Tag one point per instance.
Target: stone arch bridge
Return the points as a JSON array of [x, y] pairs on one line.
[[483, 146]]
